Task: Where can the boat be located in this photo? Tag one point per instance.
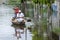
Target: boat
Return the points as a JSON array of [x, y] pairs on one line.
[[15, 23]]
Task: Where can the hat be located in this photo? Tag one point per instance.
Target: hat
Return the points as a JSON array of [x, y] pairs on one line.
[[19, 10]]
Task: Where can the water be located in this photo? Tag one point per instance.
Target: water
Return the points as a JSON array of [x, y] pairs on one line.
[[6, 30]]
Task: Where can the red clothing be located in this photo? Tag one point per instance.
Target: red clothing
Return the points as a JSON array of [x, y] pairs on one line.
[[17, 10]]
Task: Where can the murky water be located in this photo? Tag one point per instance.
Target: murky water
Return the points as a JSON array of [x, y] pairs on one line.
[[6, 30]]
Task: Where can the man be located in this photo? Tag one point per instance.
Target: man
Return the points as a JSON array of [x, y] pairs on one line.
[[20, 16], [16, 9], [20, 19]]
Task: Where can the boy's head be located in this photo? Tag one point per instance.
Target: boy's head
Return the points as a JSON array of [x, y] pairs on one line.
[[29, 20], [19, 11]]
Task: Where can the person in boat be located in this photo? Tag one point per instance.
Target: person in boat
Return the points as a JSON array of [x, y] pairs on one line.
[[20, 16], [20, 19]]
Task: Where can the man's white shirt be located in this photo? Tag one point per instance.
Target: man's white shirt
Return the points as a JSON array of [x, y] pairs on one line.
[[20, 15]]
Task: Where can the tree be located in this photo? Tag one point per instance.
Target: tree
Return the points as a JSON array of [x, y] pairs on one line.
[[48, 3]]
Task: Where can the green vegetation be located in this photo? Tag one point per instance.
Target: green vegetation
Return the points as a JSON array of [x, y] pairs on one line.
[[43, 20], [35, 31], [56, 30], [43, 1], [27, 15], [44, 24], [14, 2], [36, 37]]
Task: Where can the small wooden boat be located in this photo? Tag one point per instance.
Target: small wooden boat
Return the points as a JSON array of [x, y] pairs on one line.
[[14, 21], [26, 23], [18, 24]]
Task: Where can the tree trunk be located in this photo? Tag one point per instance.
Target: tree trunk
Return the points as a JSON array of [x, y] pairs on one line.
[[49, 22], [23, 7]]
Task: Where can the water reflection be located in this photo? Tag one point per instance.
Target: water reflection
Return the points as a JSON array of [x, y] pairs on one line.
[[6, 31]]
